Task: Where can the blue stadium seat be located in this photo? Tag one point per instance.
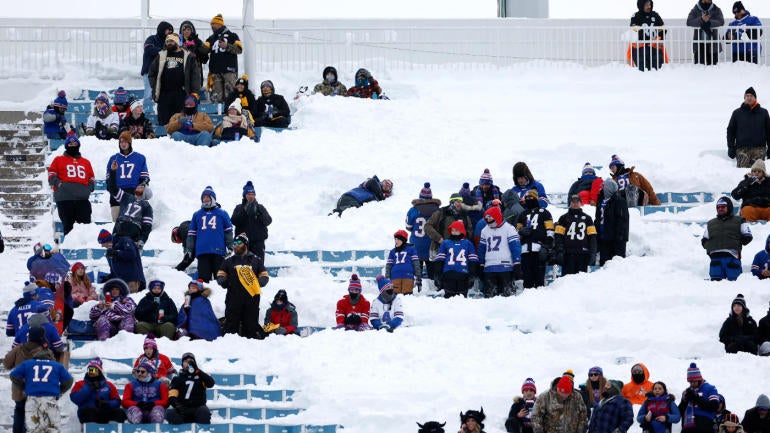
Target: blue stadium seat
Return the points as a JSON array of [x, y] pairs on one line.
[[212, 428], [79, 107], [160, 131], [368, 271], [139, 428], [210, 109], [233, 394], [374, 254], [284, 428], [321, 428], [101, 428], [55, 143], [248, 428], [279, 413], [170, 428], [336, 256], [257, 413]]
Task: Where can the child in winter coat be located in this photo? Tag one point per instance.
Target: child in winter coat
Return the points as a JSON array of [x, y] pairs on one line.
[[658, 411], [82, 289], [353, 309], [518, 417], [96, 397], [387, 310], [162, 367], [196, 317], [104, 122], [116, 312], [145, 398], [54, 123], [455, 262], [403, 265], [281, 317], [731, 425]]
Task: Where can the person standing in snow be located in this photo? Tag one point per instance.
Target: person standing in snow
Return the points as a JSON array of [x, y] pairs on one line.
[[748, 131], [55, 125], [131, 170], [252, 218], [560, 409], [519, 420], [210, 236], [173, 75], [587, 186], [743, 40], [632, 185], [353, 309], [699, 403], [472, 421], [456, 262], [72, 179], [723, 240], [403, 265], [387, 310], [437, 226], [243, 275], [152, 46], [613, 414], [43, 381], [536, 234], [224, 47], [648, 53], [636, 390], [611, 223], [659, 410], [757, 419], [513, 199], [499, 255], [192, 44], [705, 16], [575, 239], [416, 218]]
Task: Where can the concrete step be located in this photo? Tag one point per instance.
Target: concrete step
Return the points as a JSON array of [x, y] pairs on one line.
[[21, 133], [25, 224], [18, 242], [19, 161], [21, 203], [22, 147], [22, 173], [21, 214], [25, 185]]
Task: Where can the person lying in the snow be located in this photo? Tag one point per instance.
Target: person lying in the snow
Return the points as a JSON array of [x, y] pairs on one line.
[[370, 189]]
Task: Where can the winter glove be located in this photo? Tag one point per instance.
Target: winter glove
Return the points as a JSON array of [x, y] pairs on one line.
[[192, 367], [691, 395], [99, 127], [67, 289], [263, 280], [280, 331], [731, 152], [353, 320], [517, 273]]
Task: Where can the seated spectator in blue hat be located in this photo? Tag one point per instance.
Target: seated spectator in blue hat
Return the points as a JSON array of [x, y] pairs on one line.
[[22, 308], [103, 123], [120, 103], [54, 122], [587, 186], [156, 312], [96, 397], [387, 309], [365, 86], [196, 317], [191, 126]]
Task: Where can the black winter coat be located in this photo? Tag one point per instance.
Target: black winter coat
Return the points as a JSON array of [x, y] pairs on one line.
[[752, 192], [752, 423], [651, 19], [139, 128], [763, 330], [732, 331], [612, 220], [147, 309], [748, 127], [249, 104], [280, 107], [252, 219], [180, 397], [514, 424]]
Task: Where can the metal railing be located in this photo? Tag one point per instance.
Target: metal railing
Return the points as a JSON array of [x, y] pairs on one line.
[[107, 51]]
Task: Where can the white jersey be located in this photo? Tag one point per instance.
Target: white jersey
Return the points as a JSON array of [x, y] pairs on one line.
[[499, 248], [386, 313]]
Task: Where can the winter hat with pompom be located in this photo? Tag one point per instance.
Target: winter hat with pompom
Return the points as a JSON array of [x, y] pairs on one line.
[[486, 178], [425, 192]]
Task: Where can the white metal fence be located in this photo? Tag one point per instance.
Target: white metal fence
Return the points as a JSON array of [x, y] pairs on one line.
[[406, 44]]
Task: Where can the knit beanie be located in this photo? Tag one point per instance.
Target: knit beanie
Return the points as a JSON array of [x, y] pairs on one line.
[[120, 96], [565, 385], [750, 91], [61, 99], [248, 188], [528, 385], [172, 36], [218, 20], [149, 341], [425, 192], [762, 402], [693, 373], [588, 169], [486, 178], [740, 301], [104, 237], [354, 283], [383, 283]]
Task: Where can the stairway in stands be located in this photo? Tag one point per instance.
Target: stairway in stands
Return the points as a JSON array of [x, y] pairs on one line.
[[25, 201]]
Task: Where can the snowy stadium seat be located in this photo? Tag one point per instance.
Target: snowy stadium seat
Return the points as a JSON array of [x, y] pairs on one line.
[[209, 428]]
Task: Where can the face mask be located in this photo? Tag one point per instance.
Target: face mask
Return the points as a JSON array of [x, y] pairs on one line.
[[102, 110], [354, 296], [189, 111], [72, 150], [638, 378], [361, 81], [330, 78]]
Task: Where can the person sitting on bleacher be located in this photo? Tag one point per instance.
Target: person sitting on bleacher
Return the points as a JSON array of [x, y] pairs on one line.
[[96, 397], [235, 124], [191, 126], [187, 396], [121, 104], [54, 123], [156, 312], [145, 398], [242, 92], [116, 312], [281, 317], [196, 317], [22, 308], [330, 86], [754, 191], [80, 285], [163, 368], [137, 124], [104, 122], [272, 110]]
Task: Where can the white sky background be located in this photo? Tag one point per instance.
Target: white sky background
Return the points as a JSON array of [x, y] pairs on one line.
[[354, 8]]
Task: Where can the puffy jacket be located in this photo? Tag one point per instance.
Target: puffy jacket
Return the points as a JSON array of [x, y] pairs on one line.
[[147, 310], [753, 192], [636, 393], [551, 415], [86, 392], [154, 391], [285, 317]]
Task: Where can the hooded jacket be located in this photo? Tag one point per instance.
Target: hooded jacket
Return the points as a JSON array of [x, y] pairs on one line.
[[652, 19], [705, 30], [198, 317], [327, 88], [636, 393], [368, 89], [728, 233], [736, 330], [87, 392], [153, 45], [147, 310], [194, 46], [761, 261]]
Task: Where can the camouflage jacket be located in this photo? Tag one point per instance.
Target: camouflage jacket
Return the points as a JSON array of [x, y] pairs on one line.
[[553, 416]]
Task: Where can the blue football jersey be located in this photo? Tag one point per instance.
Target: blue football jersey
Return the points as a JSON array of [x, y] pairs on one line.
[[456, 255], [42, 377]]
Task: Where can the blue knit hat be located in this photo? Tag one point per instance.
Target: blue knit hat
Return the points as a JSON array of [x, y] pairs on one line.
[[588, 169], [103, 97], [121, 96], [486, 178], [104, 237], [61, 99], [248, 188], [597, 370], [465, 191], [383, 283], [71, 138], [616, 161], [209, 191], [425, 192]]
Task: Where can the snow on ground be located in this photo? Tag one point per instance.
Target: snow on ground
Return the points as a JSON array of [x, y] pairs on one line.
[[446, 127]]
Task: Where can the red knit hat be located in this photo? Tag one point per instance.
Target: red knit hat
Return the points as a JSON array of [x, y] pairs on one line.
[[457, 225], [565, 385], [529, 385], [401, 234], [77, 266]]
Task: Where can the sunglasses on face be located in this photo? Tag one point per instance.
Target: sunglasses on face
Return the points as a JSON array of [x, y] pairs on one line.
[[594, 374], [93, 370], [237, 242], [141, 371]]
